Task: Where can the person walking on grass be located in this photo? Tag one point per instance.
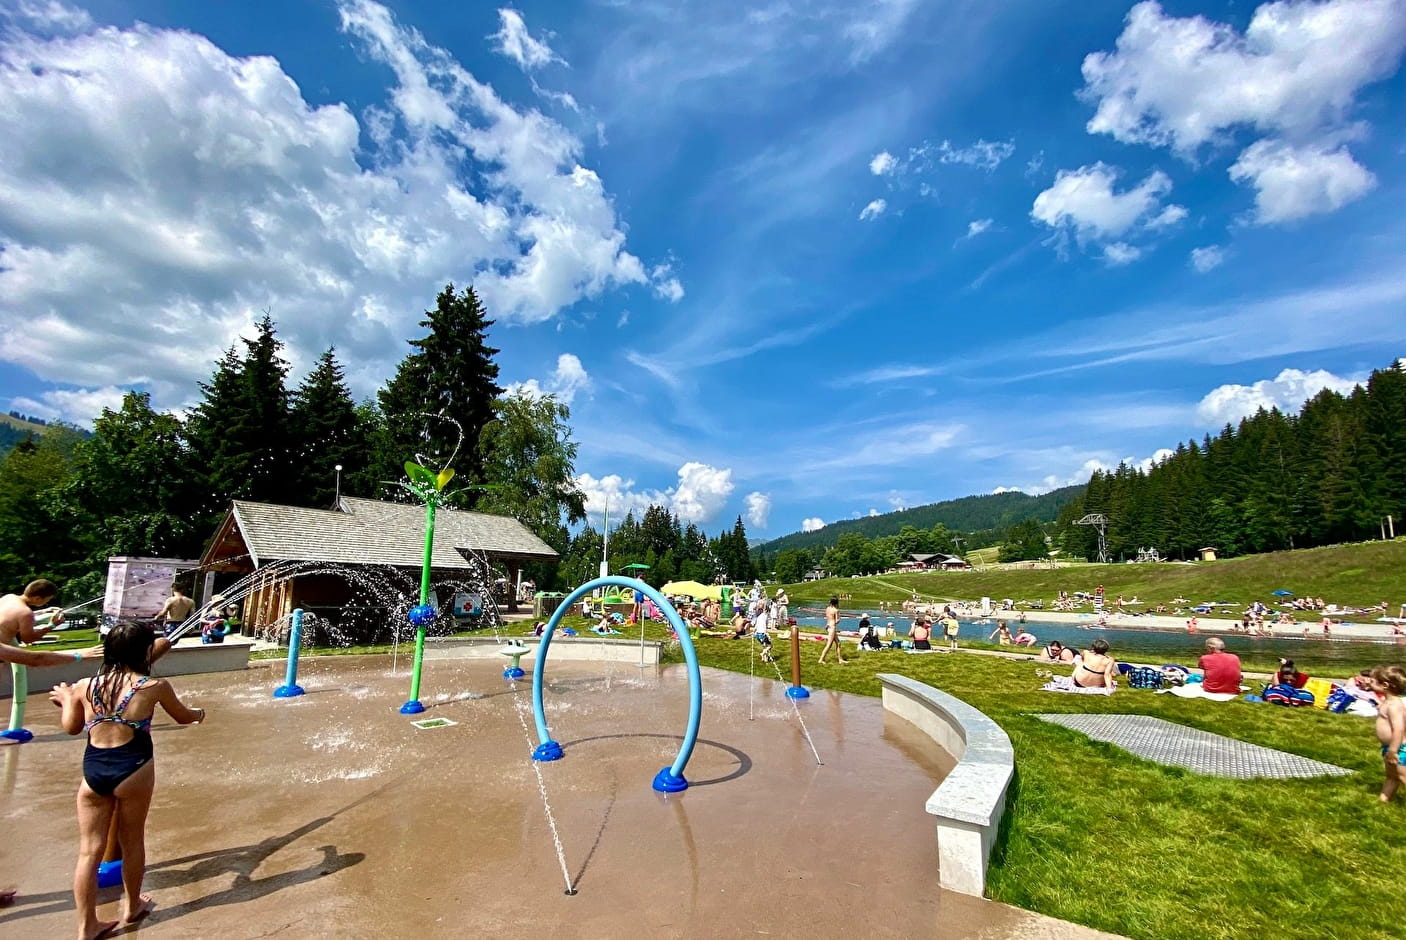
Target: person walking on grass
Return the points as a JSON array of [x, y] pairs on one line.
[[115, 708], [832, 631], [950, 629], [1389, 682]]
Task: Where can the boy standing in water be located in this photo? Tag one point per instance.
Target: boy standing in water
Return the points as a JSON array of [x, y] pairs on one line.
[[1390, 683]]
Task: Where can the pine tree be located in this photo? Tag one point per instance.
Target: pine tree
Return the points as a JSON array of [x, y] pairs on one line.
[[326, 431], [239, 433], [450, 375]]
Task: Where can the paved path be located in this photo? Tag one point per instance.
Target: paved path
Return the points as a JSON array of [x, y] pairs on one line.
[[1179, 746]]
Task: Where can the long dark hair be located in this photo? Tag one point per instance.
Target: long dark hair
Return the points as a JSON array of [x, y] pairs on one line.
[[126, 648]]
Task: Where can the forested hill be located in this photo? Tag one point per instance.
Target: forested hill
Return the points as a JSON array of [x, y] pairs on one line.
[[968, 514], [15, 427]]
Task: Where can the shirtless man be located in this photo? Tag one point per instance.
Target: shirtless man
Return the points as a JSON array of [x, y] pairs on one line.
[[17, 625], [832, 631], [176, 609]]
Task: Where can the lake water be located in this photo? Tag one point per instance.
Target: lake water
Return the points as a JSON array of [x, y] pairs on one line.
[[1125, 643]]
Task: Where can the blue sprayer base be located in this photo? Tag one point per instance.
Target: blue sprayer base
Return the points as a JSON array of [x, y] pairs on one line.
[[551, 750], [797, 691], [666, 782], [513, 672], [110, 874], [18, 735], [288, 691], [412, 707]]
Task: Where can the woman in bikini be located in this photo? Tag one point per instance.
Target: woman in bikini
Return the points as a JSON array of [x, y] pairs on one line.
[[1096, 669], [119, 773]]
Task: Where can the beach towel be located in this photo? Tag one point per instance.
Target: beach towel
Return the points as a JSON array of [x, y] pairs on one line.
[[1284, 694], [1066, 684], [1320, 689], [1194, 690]]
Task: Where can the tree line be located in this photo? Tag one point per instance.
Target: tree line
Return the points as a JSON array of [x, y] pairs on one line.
[[156, 483], [670, 549], [1331, 473]]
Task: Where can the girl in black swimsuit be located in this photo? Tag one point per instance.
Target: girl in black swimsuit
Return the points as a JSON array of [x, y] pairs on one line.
[[119, 773]]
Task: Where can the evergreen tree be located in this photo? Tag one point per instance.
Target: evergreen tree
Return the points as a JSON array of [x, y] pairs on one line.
[[451, 375], [239, 432], [326, 431]]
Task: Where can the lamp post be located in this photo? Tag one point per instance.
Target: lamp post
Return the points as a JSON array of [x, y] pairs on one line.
[[336, 500]]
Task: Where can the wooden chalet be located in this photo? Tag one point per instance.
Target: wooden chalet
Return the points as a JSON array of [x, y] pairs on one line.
[[358, 532]]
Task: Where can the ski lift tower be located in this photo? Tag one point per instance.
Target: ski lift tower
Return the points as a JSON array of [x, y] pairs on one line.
[[1100, 522]]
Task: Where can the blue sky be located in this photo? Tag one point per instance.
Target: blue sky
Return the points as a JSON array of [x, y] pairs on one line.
[[798, 261]]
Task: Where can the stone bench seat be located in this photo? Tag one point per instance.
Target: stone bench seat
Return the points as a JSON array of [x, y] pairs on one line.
[[970, 802]]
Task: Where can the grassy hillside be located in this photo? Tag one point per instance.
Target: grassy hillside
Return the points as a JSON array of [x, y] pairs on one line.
[[1360, 574], [968, 514], [15, 428]]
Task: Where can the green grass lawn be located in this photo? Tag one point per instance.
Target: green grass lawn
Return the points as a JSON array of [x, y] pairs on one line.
[[1097, 836], [1361, 574]]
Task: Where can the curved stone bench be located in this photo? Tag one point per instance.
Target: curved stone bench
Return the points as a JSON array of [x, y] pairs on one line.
[[970, 802]]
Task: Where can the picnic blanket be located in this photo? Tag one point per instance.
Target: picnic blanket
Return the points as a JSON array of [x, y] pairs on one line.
[[1194, 690]]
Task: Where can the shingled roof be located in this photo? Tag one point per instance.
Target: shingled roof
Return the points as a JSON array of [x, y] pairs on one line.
[[369, 532]]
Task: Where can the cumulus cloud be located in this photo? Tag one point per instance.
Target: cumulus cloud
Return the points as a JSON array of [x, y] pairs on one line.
[[514, 41], [1120, 253], [1183, 82], [191, 189], [665, 285], [873, 511], [75, 406], [1292, 77], [978, 226], [1293, 182], [875, 209], [758, 509], [699, 496], [1287, 391], [569, 378], [883, 163], [1207, 258], [812, 523], [1084, 200], [1006, 489], [49, 16]]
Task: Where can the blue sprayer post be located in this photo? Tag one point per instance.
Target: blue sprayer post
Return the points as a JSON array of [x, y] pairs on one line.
[[290, 686]]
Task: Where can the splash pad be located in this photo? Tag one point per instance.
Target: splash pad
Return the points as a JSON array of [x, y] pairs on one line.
[[328, 814]]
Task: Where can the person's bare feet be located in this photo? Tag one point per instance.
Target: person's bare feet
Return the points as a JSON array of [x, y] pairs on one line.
[[99, 929], [143, 908], [7, 898]]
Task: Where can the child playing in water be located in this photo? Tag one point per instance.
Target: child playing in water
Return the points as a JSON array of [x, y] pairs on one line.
[[119, 774], [1390, 683]]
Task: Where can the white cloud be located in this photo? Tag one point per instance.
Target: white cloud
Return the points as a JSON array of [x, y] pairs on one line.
[[875, 25], [701, 493], [978, 226], [1120, 253], [1084, 201], [897, 501], [883, 163], [514, 41], [812, 523], [75, 406], [1006, 489], [48, 16], [875, 209], [1084, 205], [665, 285], [885, 375], [758, 509], [191, 190], [569, 378], [1147, 463], [1207, 258], [984, 154], [1296, 70], [1293, 182], [1287, 391], [873, 511]]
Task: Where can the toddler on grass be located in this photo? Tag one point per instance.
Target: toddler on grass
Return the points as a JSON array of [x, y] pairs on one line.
[[1390, 682]]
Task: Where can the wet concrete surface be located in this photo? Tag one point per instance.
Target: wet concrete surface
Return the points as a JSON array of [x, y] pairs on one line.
[[329, 815]]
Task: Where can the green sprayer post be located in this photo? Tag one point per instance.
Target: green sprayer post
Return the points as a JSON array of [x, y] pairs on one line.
[[424, 599]]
